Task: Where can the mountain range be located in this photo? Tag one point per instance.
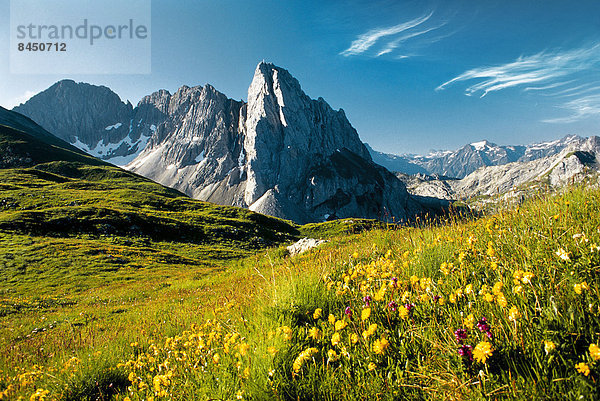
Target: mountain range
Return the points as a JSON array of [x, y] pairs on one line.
[[579, 159], [280, 153], [462, 162], [284, 154]]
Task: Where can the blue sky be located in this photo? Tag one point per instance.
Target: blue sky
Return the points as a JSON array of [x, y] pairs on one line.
[[411, 75]]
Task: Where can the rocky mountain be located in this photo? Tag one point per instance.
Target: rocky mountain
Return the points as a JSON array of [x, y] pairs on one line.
[[94, 119], [280, 153], [23, 143], [462, 162], [578, 159]]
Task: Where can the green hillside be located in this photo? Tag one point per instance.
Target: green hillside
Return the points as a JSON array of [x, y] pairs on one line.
[[115, 287]]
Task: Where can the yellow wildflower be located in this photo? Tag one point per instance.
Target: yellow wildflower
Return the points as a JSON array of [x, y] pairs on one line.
[[380, 345], [497, 288], [381, 293], [314, 333], [444, 269], [527, 276], [317, 313], [414, 279], [335, 339], [39, 395], [332, 356], [513, 314], [371, 366], [501, 299], [452, 298], [594, 352], [303, 357], [425, 283], [469, 289], [549, 346], [483, 351], [331, 319], [578, 289], [583, 368], [286, 332], [271, 351], [354, 338], [355, 255], [489, 297], [402, 312], [243, 349], [216, 358], [469, 321], [517, 276], [340, 324], [364, 315], [370, 331]]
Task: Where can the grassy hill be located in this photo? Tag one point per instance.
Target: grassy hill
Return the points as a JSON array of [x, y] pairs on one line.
[[115, 287], [93, 257]]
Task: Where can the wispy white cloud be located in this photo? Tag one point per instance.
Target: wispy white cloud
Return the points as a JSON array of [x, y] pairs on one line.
[[393, 45], [580, 108], [542, 73], [391, 37], [551, 86]]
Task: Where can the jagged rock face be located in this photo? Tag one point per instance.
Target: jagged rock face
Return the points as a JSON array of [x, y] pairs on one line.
[[462, 162], [197, 146], [94, 119], [286, 131], [281, 154], [578, 158]]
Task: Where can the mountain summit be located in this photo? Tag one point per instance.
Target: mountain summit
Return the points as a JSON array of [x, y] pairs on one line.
[[280, 153]]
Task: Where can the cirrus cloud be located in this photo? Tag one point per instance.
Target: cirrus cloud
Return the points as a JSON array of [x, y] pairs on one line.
[[388, 39], [558, 74]]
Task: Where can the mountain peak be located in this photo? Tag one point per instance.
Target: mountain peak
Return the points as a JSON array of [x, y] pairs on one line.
[[482, 145]]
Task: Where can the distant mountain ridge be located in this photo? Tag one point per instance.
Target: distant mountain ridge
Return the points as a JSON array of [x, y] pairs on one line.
[[577, 161], [280, 153], [462, 162], [94, 119]]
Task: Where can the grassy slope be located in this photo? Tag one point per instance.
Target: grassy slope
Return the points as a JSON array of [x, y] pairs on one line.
[[90, 253], [107, 279], [229, 355], [543, 318]]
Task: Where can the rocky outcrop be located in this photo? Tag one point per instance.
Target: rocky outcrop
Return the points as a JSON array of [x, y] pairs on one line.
[[281, 154], [304, 245]]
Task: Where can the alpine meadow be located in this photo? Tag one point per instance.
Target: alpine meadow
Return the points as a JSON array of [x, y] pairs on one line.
[[292, 201]]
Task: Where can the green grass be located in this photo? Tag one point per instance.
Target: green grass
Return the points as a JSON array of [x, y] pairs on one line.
[[113, 286], [446, 272]]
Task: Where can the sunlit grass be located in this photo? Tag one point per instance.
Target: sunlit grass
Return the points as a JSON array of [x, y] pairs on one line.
[[505, 306]]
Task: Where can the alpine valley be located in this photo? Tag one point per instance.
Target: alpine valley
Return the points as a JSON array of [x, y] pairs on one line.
[[286, 155], [280, 153], [116, 284]]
